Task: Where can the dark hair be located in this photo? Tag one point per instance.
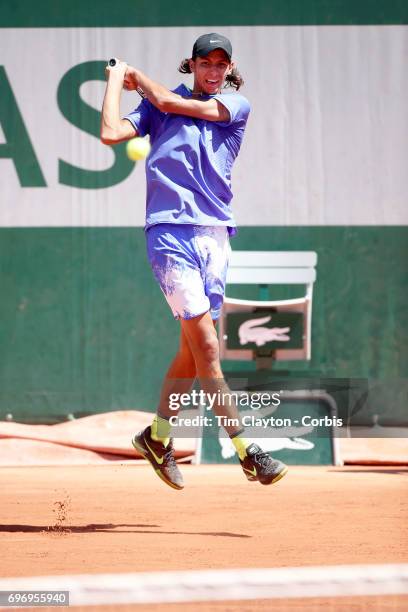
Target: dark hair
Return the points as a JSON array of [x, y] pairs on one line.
[[234, 79]]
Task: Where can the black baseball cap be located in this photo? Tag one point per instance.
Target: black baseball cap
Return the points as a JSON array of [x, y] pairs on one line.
[[209, 42]]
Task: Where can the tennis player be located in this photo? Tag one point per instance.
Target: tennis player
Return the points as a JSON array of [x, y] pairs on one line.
[[195, 137]]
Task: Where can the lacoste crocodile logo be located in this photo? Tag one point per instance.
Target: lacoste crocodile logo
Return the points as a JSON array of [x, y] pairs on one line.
[[251, 331]]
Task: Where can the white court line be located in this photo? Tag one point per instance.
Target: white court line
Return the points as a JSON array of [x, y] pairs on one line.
[[217, 585]]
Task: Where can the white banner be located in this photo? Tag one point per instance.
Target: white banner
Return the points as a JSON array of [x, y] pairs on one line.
[[326, 143]]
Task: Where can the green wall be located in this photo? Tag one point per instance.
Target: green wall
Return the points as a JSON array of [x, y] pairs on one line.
[[153, 13], [86, 329]]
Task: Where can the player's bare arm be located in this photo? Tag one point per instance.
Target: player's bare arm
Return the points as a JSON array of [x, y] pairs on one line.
[[113, 128], [169, 102]]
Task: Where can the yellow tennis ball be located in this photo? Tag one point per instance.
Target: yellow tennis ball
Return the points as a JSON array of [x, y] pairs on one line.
[[137, 148]]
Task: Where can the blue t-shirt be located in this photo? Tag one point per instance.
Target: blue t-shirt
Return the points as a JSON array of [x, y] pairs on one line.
[[188, 170]]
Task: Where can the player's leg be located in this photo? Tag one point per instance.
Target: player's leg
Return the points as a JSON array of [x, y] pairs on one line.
[[179, 377], [168, 262], [212, 247], [203, 341], [175, 268], [257, 465], [155, 442]]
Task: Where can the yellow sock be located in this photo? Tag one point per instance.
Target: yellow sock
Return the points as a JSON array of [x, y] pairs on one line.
[[241, 444], [160, 430]]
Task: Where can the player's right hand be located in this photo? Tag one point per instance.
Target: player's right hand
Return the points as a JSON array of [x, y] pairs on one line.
[[130, 81]]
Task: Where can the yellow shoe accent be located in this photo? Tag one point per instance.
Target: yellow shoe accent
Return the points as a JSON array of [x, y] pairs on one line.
[[241, 444], [158, 459], [160, 430]]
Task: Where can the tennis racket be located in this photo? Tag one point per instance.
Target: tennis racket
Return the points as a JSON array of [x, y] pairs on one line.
[[112, 62]]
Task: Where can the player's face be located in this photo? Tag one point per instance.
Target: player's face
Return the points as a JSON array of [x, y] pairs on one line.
[[210, 72]]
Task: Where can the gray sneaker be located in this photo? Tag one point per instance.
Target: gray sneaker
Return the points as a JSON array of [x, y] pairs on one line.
[[161, 458], [260, 466]]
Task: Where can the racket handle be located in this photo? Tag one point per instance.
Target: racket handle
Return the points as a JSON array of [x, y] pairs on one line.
[[112, 62]]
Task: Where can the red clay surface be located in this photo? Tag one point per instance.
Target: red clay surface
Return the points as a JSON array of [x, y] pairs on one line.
[[122, 518]]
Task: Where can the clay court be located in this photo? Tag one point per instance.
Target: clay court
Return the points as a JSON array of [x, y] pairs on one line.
[[121, 519]]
